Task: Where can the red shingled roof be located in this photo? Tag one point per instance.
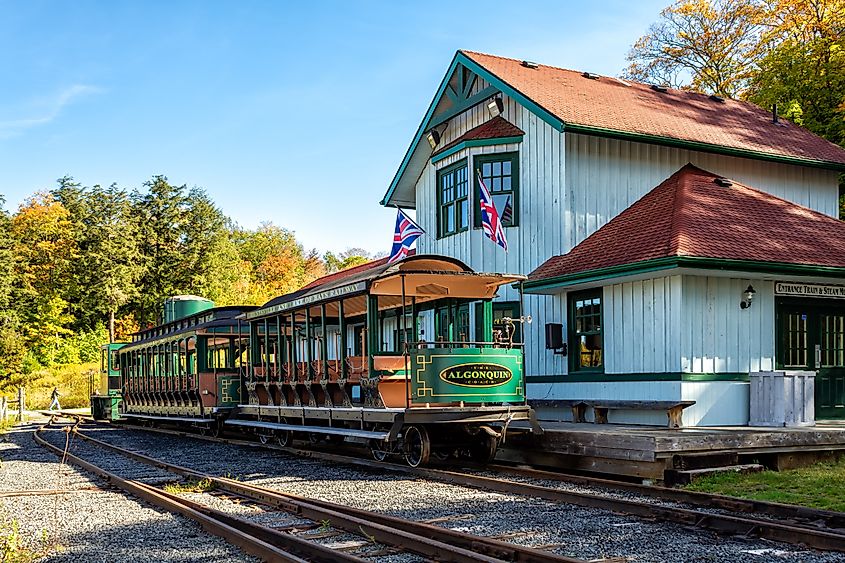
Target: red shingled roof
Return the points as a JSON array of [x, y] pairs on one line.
[[495, 128], [689, 214], [630, 107]]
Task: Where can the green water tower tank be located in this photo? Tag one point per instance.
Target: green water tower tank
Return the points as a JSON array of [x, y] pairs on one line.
[[181, 306]]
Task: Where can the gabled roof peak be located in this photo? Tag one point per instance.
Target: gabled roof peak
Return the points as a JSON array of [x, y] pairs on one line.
[[617, 109]]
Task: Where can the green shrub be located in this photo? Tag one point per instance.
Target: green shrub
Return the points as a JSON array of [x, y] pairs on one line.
[[71, 381]]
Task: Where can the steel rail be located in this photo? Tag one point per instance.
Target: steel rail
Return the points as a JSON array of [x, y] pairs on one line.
[[253, 542], [831, 518], [789, 533], [442, 543], [812, 517]]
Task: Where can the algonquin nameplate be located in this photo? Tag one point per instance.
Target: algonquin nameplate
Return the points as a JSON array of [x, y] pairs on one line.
[[810, 290], [477, 374]]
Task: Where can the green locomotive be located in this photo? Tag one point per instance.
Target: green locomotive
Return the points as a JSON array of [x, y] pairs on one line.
[[105, 387]]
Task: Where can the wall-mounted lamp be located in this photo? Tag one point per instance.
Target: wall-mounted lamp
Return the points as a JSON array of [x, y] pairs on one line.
[[435, 134], [433, 138], [747, 297], [495, 106]]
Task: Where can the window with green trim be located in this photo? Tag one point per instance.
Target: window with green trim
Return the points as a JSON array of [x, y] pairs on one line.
[[586, 346], [452, 199], [500, 173]]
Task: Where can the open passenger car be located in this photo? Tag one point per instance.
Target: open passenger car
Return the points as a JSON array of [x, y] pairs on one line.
[[382, 354]]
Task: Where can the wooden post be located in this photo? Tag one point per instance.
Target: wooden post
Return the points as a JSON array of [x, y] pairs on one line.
[[344, 369], [3, 409], [21, 403], [324, 348]]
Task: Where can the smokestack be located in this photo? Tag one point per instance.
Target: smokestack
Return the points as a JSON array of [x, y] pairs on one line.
[[774, 113]]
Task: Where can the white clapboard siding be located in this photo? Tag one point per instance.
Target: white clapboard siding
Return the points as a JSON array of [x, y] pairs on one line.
[[717, 403], [717, 336], [638, 334], [605, 176], [571, 185]]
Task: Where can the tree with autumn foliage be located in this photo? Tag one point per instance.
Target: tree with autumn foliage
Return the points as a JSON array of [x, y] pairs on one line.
[[803, 71], [706, 45], [783, 55], [43, 250]]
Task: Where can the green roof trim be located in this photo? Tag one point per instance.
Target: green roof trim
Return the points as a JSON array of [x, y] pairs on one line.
[[475, 143], [672, 262], [702, 147], [427, 121]]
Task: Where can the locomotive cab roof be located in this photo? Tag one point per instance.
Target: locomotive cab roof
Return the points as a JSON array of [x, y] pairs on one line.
[[425, 277]]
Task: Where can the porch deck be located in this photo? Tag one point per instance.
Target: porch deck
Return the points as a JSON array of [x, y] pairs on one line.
[[652, 452]]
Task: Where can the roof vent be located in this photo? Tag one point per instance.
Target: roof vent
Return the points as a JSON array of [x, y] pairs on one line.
[[530, 64], [716, 98], [591, 76], [659, 88], [724, 182]]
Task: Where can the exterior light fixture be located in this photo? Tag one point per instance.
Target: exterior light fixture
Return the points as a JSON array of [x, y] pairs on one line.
[[495, 106], [747, 297], [433, 138]]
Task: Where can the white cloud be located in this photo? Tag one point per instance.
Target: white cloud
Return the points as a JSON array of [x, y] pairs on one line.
[[47, 110]]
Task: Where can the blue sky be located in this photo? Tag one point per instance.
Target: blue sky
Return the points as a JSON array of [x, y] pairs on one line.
[[295, 113]]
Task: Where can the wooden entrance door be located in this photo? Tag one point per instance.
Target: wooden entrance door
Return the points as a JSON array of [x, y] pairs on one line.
[[811, 336]]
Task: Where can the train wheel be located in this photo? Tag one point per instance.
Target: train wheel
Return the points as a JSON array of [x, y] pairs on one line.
[[417, 446], [484, 451], [264, 438], [284, 438], [379, 449]]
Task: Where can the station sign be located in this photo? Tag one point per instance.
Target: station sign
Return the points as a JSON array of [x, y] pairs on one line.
[[471, 375], [797, 289]]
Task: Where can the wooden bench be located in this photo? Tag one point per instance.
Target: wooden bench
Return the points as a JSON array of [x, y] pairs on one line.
[[674, 409], [579, 408]]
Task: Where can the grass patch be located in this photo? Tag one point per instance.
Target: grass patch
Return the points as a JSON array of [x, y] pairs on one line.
[[818, 486], [201, 486], [13, 550], [70, 379]]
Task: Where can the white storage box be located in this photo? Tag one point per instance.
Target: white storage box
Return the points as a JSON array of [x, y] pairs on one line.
[[782, 398]]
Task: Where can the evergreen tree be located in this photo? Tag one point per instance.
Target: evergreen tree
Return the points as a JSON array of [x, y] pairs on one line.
[[160, 214], [211, 258]]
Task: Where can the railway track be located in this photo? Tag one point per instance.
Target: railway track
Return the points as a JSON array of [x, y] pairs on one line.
[[794, 525], [396, 534]]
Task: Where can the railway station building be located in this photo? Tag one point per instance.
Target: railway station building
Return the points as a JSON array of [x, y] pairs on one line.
[[676, 242]]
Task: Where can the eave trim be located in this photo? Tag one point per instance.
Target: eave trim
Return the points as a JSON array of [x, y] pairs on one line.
[[700, 146], [672, 262], [470, 143], [494, 81]]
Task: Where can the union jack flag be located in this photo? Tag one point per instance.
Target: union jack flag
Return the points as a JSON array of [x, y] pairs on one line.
[[406, 233], [490, 221]]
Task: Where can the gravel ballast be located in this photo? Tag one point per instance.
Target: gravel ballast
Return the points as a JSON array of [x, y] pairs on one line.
[[570, 530], [91, 524]]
